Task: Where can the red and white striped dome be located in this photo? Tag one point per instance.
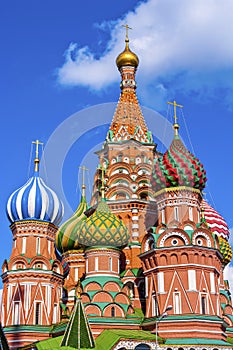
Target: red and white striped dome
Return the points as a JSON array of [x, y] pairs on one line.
[[215, 221]]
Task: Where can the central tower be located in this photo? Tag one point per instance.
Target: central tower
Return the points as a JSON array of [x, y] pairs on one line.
[[127, 158]]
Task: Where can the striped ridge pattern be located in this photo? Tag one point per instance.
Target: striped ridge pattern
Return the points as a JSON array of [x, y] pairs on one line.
[[178, 167], [103, 229], [67, 235], [215, 221], [35, 200]]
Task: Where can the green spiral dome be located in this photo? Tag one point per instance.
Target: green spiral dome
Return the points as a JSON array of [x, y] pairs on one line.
[[67, 237]]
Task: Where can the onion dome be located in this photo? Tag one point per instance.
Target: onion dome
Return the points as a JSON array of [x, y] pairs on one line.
[[67, 235], [127, 57], [178, 166], [103, 229], [225, 250], [35, 201], [215, 221]]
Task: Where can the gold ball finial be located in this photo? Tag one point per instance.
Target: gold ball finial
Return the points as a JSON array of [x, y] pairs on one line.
[[127, 57]]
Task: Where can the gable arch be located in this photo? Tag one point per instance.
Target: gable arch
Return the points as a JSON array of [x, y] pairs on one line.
[[118, 311]]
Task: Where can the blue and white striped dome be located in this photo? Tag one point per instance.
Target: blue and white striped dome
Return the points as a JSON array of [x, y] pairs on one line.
[[35, 200]]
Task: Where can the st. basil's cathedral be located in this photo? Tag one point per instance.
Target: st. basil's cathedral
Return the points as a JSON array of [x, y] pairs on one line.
[[139, 267]]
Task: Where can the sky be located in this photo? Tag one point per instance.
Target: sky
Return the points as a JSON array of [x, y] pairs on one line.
[[59, 83]]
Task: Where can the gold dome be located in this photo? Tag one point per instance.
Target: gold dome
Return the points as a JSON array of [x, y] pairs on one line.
[[127, 57]]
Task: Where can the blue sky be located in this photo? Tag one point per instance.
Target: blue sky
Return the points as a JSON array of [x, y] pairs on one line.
[[58, 58]]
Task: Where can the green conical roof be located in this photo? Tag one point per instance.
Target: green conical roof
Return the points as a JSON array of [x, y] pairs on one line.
[[78, 332], [67, 235], [103, 228]]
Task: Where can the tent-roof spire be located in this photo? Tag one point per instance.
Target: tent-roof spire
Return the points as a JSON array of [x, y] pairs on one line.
[[78, 332]]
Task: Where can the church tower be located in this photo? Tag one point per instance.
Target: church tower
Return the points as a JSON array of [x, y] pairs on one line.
[[127, 158], [32, 277], [183, 259]]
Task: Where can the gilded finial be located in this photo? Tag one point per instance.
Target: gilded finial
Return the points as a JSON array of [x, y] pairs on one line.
[[83, 168], [127, 57], [175, 125], [37, 160], [78, 289], [127, 32], [102, 188], [202, 213]]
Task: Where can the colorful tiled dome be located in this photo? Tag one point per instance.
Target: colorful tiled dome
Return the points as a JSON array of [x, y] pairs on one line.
[[178, 167], [215, 221], [225, 250], [103, 229], [36, 201], [67, 237]]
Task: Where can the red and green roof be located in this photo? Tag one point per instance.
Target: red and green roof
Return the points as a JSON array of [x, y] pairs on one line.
[[178, 167]]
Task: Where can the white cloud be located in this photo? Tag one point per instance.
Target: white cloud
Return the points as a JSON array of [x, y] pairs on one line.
[[228, 275], [172, 38]]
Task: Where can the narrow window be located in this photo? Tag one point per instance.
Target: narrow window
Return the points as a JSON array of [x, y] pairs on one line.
[[203, 304], [192, 279], [24, 245], [76, 274], [176, 213], [190, 213], [37, 313], [16, 313], [38, 245], [96, 263], [146, 287], [154, 305], [177, 304], [160, 278], [110, 264], [163, 216], [113, 313], [55, 313], [212, 283], [49, 246], [87, 266]]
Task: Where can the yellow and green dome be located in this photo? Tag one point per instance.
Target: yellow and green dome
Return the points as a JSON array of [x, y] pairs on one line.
[[67, 237], [103, 229], [225, 250]]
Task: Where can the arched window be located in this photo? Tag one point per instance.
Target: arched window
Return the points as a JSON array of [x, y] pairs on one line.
[[142, 347], [37, 313], [113, 312]]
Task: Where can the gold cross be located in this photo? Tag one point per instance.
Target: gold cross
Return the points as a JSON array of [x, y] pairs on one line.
[[36, 160], [83, 168], [127, 30], [175, 105], [37, 143]]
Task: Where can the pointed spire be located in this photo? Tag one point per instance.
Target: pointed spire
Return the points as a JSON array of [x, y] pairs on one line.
[[128, 121], [175, 125], [78, 332], [37, 160]]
